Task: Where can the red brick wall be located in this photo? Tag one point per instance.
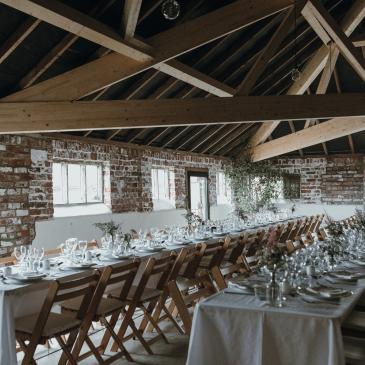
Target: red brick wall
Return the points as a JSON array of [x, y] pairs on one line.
[[331, 180], [26, 179]]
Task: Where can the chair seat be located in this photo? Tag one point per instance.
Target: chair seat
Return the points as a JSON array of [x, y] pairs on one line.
[[184, 283], [354, 350], [147, 295], [106, 306], [356, 320], [56, 324]]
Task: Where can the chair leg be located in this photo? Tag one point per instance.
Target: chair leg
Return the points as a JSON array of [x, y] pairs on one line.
[[94, 350], [155, 324], [140, 337], [28, 358], [117, 340], [173, 320], [218, 278], [65, 349], [180, 305]]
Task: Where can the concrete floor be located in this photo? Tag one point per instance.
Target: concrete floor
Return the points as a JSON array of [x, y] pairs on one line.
[[174, 353]]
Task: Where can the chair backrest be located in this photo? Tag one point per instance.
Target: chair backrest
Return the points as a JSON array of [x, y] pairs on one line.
[[8, 261], [156, 274], [214, 253], [295, 230], [80, 286], [286, 232], [235, 248], [302, 227], [189, 260]]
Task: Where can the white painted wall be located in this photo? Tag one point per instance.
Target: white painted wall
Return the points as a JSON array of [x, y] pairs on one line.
[[52, 232], [334, 211]]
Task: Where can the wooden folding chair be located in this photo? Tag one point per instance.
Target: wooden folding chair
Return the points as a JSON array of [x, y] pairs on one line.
[[286, 232], [145, 296], [295, 230], [194, 282], [302, 227], [232, 263], [120, 277], [41, 327], [8, 261]]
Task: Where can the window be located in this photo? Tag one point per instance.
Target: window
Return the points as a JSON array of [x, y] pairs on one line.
[[162, 189], [291, 186], [223, 189], [77, 183]]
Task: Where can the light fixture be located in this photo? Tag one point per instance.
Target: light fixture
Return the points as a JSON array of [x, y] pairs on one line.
[[295, 72], [170, 9]]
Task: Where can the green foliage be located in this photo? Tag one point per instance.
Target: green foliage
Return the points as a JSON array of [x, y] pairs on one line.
[[108, 228], [255, 184]]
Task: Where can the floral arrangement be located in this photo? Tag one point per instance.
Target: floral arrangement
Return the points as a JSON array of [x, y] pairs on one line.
[[271, 255], [191, 217], [334, 228], [108, 228], [360, 219]]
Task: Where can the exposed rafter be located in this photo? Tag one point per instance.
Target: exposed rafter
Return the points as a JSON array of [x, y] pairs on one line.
[[17, 37], [338, 36], [313, 69], [332, 129], [116, 67], [67, 116]]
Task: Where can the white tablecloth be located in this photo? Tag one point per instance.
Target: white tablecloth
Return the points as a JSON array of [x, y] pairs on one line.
[[20, 300], [234, 329]]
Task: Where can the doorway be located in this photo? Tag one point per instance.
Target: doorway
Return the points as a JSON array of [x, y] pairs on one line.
[[198, 193]]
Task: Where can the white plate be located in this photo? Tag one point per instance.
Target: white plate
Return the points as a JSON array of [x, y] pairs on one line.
[[358, 262], [24, 278], [201, 239], [122, 257], [221, 234], [150, 249], [179, 243], [80, 266]]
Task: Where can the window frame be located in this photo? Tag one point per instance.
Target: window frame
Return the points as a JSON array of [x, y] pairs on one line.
[[83, 164], [226, 187]]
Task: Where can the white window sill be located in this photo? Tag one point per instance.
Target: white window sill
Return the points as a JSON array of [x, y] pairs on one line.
[[163, 205], [82, 209]]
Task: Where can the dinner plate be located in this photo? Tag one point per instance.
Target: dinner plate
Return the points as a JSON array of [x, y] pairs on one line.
[[27, 278], [200, 239], [79, 266], [358, 262], [178, 243], [220, 234], [327, 293], [150, 249]]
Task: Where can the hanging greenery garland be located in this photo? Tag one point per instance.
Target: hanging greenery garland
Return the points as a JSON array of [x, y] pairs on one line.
[[255, 184]]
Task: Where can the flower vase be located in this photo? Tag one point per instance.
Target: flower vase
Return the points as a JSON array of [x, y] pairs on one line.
[[273, 291]]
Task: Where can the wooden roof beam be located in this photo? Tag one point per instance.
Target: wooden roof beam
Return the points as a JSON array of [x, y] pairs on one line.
[[130, 17], [59, 49], [332, 129], [342, 41], [267, 53], [25, 117], [312, 69], [88, 79], [17, 37]]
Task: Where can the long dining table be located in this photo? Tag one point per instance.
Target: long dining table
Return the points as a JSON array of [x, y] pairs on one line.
[[234, 328], [19, 299]]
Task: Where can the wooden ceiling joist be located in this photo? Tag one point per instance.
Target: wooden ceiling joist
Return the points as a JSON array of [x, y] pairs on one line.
[[87, 79], [332, 129], [23, 117], [265, 56], [342, 41], [59, 49], [313, 68], [130, 17], [17, 37]]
